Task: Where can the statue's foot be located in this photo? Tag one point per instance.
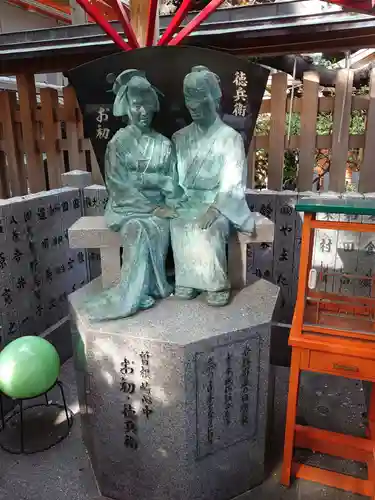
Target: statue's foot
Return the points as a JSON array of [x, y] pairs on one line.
[[168, 290], [184, 293], [146, 302], [109, 305], [218, 299], [96, 306]]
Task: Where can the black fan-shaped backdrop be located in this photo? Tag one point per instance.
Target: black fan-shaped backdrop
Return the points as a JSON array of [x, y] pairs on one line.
[[165, 67]]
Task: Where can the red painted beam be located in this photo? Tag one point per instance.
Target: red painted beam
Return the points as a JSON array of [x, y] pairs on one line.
[[40, 10], [123, 16], [177, 19], [362, 6], [51, 4], [152, 13], [196, 21], [94, 12]]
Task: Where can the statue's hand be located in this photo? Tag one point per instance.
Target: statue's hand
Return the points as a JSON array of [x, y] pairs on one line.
[[165, 213], [115, 227], [249, 234], [208, 218]]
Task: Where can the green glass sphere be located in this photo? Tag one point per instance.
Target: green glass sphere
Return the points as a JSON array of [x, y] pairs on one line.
[[29, 366]]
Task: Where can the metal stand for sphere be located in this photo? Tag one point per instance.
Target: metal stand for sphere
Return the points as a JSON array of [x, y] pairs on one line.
[[22, 410]]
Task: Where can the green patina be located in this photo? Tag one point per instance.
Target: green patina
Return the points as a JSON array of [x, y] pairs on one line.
[[354, 206], [190, 190], [141, 178], [211, 165]]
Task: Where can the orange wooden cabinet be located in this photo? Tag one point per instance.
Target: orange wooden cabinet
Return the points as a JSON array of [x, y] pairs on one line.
[[333, 332]]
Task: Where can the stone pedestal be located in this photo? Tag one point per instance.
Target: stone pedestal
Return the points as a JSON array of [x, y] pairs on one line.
[[174, 399]]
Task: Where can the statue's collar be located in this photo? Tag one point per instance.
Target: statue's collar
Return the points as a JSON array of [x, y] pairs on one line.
[[211, 129]]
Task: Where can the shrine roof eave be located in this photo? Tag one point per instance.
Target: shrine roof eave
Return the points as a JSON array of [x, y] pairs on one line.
[[278, 28]]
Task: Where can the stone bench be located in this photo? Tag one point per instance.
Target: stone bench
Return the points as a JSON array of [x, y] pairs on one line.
[[92, 232]]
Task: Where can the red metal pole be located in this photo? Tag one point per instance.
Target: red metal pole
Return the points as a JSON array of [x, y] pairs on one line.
[[194, 23], [152, 13], [118, 6], [177, 19], [104, 24]]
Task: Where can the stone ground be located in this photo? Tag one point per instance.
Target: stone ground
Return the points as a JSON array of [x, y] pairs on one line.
[[64, 472]]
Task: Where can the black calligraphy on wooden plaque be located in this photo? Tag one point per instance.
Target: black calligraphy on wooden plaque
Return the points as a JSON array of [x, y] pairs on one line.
[[242, 84], [240, 97], [227, 394]]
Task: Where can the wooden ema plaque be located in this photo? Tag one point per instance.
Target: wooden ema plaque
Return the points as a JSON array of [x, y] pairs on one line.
[[333, 332]]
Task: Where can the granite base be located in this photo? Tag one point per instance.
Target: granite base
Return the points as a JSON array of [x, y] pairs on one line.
[[174, 400]]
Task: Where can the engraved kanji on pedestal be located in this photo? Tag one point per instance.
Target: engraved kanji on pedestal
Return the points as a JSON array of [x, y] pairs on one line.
[[261, 254], [285, 230], [95, 200]]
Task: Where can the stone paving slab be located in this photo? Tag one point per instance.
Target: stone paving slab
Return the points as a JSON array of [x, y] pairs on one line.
[[61, 473]]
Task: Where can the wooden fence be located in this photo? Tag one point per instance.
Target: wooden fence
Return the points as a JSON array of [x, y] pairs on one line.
[[41, 138], [338, 142]]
